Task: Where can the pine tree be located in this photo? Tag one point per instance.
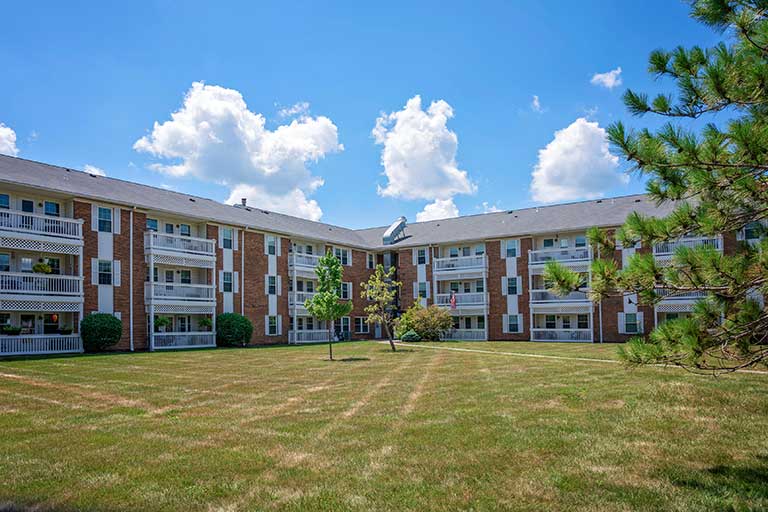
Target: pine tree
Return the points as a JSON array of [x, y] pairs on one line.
[[716, 175], [326, 304]]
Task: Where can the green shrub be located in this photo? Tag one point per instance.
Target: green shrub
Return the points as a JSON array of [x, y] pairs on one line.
[[428, 323], [11, 330], [406, 322], [205, 323], [41, 268], [162, 323], [233, 330], [410, 336], [100, 331]]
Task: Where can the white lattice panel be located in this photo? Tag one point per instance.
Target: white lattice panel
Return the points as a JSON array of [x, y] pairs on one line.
[[674, 307], [36, 305], [459, 276], [184, 261], [187, 309], [26, 244]]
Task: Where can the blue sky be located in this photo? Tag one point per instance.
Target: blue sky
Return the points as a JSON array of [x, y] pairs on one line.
[[82, 83]]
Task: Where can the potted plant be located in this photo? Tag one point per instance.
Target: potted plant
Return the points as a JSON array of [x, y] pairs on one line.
[[11, 330], [205, 324], [162, 323], [41, 268], [65, 330]]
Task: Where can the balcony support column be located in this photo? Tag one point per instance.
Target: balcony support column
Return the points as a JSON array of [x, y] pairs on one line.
[[151, 300]]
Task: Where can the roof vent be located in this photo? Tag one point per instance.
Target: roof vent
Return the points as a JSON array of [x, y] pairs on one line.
[[599, 201], [638, 200], [192, 199], [395, 231], [244, 201]]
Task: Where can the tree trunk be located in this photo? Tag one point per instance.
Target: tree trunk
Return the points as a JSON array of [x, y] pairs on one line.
[[330, 345], [389, 336]]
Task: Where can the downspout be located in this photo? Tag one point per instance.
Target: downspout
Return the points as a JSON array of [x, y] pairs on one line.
[[242, 273], [130, 279]]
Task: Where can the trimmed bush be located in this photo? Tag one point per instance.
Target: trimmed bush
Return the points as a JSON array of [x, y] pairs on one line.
[[428, 323], [410, 336], [233, 330], [100, 331]]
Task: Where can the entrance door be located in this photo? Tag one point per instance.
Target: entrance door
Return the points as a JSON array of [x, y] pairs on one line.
[[377, 330]]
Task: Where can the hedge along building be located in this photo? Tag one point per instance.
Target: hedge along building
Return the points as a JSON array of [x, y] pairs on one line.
[[141, 253]]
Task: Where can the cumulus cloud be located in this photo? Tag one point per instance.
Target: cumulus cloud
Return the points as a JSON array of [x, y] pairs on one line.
[[295, 202], [490, 208], [576, 164], [92, 169], [298, 109], [8, 141], [439, 209], [215, 137], [609, 79], [536, 104], [419, 156]]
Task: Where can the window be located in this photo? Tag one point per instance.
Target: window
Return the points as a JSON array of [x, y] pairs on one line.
[[55, 264], [310, 323], [630, 323], [511, 286], [27, 324], [226, 238], [455, 287], [185, 230], [5, 201], [5, 318], [550, 322], [272, 327], [671, 316], [169, 228], [52, 208], [479, 249], [361, 324], [105, 271], [421, 256], [186, 276], [566, 322], [467, 288], [342, 255], [226, 282], [581, 241], [548, 243], [310, 286], [582, 321], [752, 231], [422, 290], [271, 285], [346, 291], [151, 224], [183, 324], [5, 262], [512, 324], [564, 243], [105, 220], [481, 322], [155, 274], [465, 251], [467, 323], [479, 286], [271, 245], [26, 264], [512, 248], [453, 252], [27, 206], [371, 261]]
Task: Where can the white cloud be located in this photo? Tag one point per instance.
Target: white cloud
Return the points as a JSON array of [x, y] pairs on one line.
[[167, 186], [490, 208], [299, 109], [439, 209], [295, 202], [8, 141], [419, 157], [214, 137], [576, 165], [92, 169], [609, 79], [536, 104]]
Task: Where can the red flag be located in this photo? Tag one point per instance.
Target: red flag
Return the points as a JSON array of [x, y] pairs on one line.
[[453, 300]]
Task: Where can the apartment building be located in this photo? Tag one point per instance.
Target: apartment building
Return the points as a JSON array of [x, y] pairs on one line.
[[167, 263]]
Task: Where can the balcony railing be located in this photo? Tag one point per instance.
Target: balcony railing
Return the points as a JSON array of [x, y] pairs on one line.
[[304, 260], [164, 340], [547, 296], [574, 255], [179, 244], [29, 344], [299, 298], [667, 248], [462, 299], [21, 283], [460, 263], [21, 222], [673, 295], [561, 334], [176, 291], [315, 336], [464, 335]]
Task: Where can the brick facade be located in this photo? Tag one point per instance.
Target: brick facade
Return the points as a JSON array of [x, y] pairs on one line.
[[497, 268]]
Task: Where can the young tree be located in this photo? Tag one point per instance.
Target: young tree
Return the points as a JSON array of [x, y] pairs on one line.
[[381, 289], [326, 304], [717, 177]]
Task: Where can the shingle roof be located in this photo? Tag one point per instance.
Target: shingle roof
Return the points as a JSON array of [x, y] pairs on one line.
[[527, 221]]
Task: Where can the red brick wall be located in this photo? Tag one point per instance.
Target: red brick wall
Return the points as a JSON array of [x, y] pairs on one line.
[[356, 274], [255, 298], [90, 250], [407, 274], [497, 268]]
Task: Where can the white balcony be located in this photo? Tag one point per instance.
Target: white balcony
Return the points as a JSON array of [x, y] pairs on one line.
[[297, 299], [464, 335], [18, 285], [675, 295], [170, 340], [668, 248], [175, 292], [547, 296], [46, 225], [314, 336], [180, 250], [472, 300], [580, 335], [33, 344], [303, 265], [566, 256]]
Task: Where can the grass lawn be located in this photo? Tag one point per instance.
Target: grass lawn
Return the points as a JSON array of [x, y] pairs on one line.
[[422, 429]]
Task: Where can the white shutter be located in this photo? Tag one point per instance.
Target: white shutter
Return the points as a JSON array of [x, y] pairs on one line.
[[426, 255], [415, 289], [266, 325], [349, 289], [741, 235], [279, 243], [221, 236], [622, 325], [266, 248], [640, 326], [505, 324], [235, 236], [94, 217], [221, 281], [415, 256], [116, 272], [94, 271], [503, 244], [266, 284], [236, 282], [519, 323], [279, 285], [116, 221], [519, 285], [429, 294], [280, 324], [503, 285]]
